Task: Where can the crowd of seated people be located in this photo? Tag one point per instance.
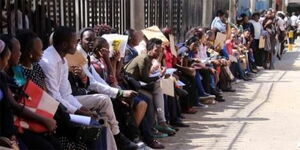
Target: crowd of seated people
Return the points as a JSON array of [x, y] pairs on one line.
[[125, 101]]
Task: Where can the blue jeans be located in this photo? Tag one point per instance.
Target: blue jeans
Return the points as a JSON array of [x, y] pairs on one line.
[[200, 88]]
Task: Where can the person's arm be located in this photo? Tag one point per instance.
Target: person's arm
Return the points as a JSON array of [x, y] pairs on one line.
[[54, 88], [144, 68], [96, 83], [25, 113]]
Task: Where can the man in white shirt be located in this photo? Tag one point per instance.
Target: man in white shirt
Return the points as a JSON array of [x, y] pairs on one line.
[[96, 82], [218, 22], [257, 33], [294, 20], [55, 67]]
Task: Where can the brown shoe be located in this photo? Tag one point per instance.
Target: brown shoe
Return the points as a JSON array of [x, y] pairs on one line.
[[155, 145], [190, 111], [209, 101]]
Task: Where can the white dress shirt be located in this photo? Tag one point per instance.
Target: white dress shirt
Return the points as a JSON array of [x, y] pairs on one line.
[[281, 24], [58, 85], [218, 24], [96, 82], [257, 28], [294, 20]]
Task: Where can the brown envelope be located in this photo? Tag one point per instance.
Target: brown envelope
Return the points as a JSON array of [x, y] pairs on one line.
[[76, 59], [154, 32]]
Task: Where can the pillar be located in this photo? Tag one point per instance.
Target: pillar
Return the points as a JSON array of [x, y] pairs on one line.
[[207, 14], [137, 14]]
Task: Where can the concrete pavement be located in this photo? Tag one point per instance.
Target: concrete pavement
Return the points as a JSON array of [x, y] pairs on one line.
[[263, 114]]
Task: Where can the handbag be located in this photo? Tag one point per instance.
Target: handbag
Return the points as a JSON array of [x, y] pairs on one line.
[[39, 102], [74, 130]]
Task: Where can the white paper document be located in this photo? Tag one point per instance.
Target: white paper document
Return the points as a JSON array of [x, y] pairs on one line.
[[170, 71], [180, 83], [80, 119], [116, 42]]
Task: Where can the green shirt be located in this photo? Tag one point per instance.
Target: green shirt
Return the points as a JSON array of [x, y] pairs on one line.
[[140, 68]]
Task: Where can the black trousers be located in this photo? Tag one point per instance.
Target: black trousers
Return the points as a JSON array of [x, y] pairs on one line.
[[206, 79], [188, 101], [38, 141]]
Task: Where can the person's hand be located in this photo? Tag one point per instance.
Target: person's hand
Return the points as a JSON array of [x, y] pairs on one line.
[[116, 56], [86, 112], [77, 71], [212, 70], [104, 52], [163, 71], [50, 124], [216, 62], [129, 93]]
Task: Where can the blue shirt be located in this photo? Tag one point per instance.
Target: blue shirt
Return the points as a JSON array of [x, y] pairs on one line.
[[1, 95], [130, 53]]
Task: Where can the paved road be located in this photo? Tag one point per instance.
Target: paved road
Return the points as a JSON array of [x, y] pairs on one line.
[[262, 115]]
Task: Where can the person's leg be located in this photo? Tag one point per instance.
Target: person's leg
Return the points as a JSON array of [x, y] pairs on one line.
[[150, 107], [187, 102], [140, 110], [159, 102], [35, 141], [205, 79], [199, 84], [103, 105]]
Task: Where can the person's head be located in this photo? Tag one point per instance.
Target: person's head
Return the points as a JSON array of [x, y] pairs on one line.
[[210, 35], [133, 37], [255, 16], [194, 32], [65, 40], [4, 55], [100, 45], [232, 36], [31, 46], [14, 45], [221, 14], [102, 29], [193, 43], [269, 14], [246, 33], [87, 39], [154, 47], [281, 15], [245, 18], [234, 31], [167, 31]]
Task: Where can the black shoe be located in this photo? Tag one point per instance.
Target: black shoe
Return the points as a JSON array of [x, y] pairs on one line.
[[229, 90], [124, 143], [180, 124], [174, 127], [220, 99], [278, 56], [215, 92], [155, 145], [246, 79]]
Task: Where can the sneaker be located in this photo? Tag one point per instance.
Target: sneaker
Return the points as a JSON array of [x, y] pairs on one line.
[[158, 135], [207, 96], [165, 129], [208, 101], [180, 124], [200, 105], [124, 143]]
